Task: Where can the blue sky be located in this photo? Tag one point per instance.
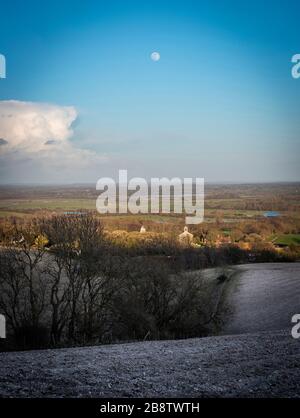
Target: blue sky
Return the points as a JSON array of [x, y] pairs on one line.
[[219, 104]]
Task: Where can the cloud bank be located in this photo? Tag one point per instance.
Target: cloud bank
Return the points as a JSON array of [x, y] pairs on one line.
[[35, 144]]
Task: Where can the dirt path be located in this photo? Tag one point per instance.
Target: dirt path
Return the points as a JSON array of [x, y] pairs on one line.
[[263, 297]]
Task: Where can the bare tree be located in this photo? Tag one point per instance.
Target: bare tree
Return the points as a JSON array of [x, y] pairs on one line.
[[57, 290], [28, 256], [11, 290]]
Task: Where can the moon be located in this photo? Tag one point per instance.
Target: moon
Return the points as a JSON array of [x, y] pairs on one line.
[[155, 56]]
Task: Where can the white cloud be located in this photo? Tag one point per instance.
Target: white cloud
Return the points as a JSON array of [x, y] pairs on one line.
[[37, 137], [27, 125]]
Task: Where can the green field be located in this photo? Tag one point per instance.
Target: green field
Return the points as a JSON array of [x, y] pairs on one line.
[[286, 239], [23, 207], [48, 204], [228, 204]]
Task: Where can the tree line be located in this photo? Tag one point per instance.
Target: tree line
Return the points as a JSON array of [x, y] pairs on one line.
[[64, 282]]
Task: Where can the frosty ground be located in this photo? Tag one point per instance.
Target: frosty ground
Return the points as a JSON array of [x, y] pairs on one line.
[[259, 358]]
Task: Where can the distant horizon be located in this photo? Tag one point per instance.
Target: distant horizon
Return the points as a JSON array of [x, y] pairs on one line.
[[90, 184]]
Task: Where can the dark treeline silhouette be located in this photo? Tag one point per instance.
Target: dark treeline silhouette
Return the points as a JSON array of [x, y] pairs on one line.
[[64, 282]]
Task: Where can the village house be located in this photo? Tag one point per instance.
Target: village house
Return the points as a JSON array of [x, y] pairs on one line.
[[186, 238]]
